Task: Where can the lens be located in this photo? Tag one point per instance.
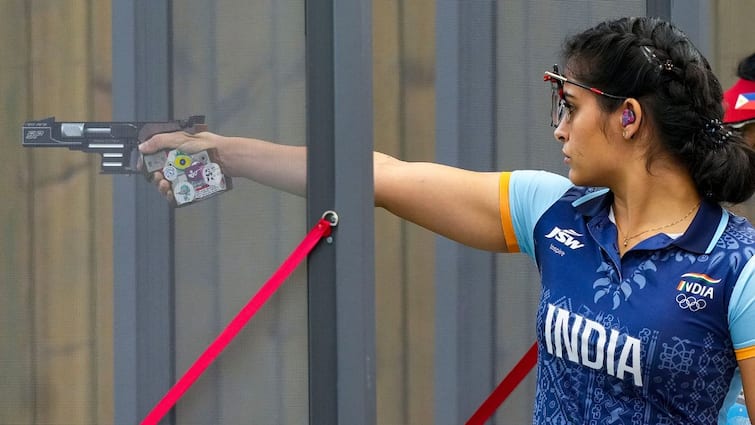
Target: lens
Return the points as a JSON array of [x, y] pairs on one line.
[[557, 104], [561, 112]]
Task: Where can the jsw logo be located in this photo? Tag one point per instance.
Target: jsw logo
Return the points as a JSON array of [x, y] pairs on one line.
[[566, 237]]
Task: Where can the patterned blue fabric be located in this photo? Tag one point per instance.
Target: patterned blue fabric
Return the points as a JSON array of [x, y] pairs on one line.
[[643, 339]]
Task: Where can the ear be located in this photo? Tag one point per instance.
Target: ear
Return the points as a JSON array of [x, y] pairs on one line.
[[630, 117]]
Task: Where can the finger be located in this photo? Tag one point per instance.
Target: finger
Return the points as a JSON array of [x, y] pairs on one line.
[[198, 142], [164, 187], [164, 141], [156, 177]]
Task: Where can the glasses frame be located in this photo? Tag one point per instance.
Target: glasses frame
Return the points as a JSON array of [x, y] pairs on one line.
[[558, 103]]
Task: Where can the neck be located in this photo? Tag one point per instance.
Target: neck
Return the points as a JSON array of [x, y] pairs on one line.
[[650, 204], [683, 221]]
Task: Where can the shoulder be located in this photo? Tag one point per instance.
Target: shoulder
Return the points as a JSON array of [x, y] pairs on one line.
[[739, 230], [734, 248], [535, 183]]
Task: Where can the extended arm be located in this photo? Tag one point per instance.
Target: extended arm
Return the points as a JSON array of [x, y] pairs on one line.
[[459, 204]]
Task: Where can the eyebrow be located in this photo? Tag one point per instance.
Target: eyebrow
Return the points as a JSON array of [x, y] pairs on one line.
[[568, 95]]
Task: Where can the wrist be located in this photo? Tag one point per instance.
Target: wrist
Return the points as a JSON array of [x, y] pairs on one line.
[[225, 154]]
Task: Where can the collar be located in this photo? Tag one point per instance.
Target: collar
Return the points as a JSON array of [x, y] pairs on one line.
[[705, 230], [700, 237]]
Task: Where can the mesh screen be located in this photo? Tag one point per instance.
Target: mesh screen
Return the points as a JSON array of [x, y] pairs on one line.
[[241, 64]]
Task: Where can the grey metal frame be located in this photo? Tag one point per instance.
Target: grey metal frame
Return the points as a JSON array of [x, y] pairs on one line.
[[341, 276], [658, 8], [143, 222], [693, 16]]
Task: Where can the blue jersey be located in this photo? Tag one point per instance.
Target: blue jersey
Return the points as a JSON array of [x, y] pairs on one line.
[[652, 337]]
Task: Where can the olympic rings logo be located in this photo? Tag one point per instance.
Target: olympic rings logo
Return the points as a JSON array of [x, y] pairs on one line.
[[691, 303]]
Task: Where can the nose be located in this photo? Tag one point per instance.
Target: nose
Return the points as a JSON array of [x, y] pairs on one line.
[[560, 133]]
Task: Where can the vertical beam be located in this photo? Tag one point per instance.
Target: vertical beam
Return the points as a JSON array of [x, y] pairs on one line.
[[695, 18], [341, 275], [658, 8], [142, 222], [321, 297], [466, 137]]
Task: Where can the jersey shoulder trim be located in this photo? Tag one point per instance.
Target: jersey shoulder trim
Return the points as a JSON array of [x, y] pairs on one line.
[[745, 353], [507, 222]]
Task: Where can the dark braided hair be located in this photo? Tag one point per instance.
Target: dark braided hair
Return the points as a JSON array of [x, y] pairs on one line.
[[654, 62]]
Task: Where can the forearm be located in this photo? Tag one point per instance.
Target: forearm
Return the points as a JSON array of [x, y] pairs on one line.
[[279, 166], [283, 167]]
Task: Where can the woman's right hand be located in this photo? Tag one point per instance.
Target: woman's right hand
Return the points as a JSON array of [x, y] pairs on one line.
[[188, 143], [282, 167]]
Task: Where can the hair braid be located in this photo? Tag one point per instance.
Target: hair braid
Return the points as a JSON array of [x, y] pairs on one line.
[[654, 62]]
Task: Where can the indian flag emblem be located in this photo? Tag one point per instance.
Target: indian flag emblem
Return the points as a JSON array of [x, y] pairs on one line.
[[700, 277], [697, 284]]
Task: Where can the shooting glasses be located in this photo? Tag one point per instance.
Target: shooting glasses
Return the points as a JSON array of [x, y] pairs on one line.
[[559, 107]]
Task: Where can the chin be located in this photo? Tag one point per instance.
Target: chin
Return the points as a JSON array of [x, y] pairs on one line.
[[575, 178], [580, 179]]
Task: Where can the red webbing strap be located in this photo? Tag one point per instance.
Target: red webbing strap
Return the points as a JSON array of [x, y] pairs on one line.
[[505, 388], [322, 229]]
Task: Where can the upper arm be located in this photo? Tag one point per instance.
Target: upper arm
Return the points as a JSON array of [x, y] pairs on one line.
[[486, 210], [747, 369], [742, 312], [459, 204], [741, 319]]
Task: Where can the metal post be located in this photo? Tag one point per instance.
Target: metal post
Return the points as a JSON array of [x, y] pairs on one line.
[[466, 137], [341, 274], [658, 8], [143, 222]]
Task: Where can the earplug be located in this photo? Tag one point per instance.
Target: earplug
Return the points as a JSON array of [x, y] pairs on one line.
[[627, 117]]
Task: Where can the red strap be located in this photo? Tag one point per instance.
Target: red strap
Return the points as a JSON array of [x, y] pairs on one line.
[[321, 230], [505, 388]]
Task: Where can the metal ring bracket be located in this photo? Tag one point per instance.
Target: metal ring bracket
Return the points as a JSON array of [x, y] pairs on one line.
[[332, 217]]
